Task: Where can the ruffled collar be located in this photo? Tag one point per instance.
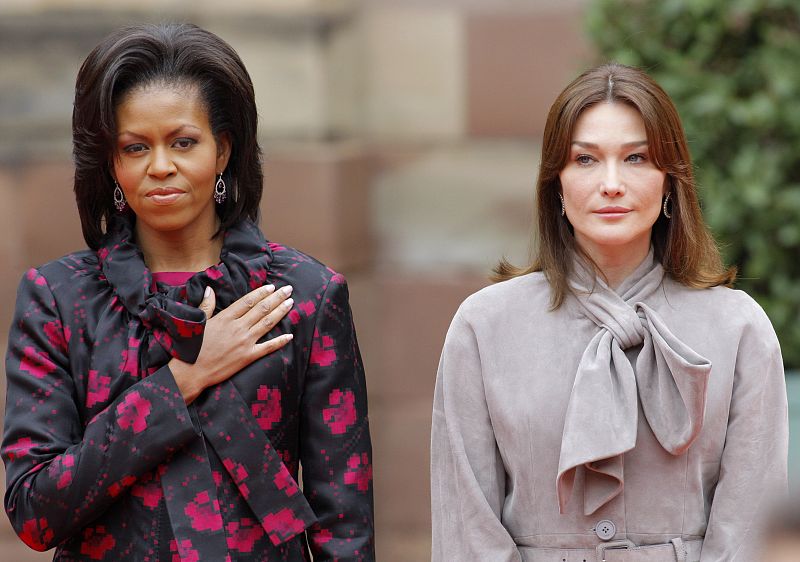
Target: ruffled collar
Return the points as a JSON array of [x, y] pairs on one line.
[[173, 317]]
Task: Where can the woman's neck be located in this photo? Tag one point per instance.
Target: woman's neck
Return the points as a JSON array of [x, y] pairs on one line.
[[185, 250], [617, 263]]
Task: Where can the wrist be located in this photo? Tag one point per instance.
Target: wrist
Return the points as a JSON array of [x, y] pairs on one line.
[[188, 384]]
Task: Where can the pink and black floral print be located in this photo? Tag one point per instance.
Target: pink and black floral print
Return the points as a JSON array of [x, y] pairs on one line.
[[106, 462]]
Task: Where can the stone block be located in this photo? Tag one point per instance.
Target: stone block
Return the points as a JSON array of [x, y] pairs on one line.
[[401, 322], [408, 322], [458, 207], [401, 454], [288, 78], [302, 60], [41, 222], [317, 199], [413, 57], [49, 222], [300, 55], [344, 77], [11, 245], [396, 545], [517, 63]]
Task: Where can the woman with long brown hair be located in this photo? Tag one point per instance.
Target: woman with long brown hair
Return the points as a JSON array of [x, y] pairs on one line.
[[615, 399]]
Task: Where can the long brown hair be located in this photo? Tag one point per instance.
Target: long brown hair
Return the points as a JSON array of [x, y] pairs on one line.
[[683, 244]]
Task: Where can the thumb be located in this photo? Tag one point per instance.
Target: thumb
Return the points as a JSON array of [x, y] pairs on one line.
[[208, 303]]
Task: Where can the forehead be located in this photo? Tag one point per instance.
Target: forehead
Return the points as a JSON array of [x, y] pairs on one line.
[[609, 122], [162, 104]]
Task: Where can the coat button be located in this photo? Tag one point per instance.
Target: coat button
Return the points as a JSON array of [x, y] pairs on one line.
[[605, 530]]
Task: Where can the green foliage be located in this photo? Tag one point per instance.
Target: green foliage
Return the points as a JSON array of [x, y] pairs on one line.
[[732, 68]]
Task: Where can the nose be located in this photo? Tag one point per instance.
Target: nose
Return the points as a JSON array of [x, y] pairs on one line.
[[161, 165], [612, 185]]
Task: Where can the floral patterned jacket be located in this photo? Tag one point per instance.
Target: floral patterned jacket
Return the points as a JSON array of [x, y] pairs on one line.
[[106, 462]]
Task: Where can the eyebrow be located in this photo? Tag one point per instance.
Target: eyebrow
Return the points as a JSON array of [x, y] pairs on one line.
[[623, 145], [172, 133]]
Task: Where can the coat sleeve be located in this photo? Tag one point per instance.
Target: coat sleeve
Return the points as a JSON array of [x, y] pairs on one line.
[[335, 449], [467, 473], [753, 470], [63, 471]]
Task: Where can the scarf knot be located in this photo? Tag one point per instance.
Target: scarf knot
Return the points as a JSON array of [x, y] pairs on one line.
[[176, 326], [668, 380]]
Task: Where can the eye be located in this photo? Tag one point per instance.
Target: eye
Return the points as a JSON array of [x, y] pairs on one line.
[[134, 148], [636, 158], [584, 159], [184, 142]]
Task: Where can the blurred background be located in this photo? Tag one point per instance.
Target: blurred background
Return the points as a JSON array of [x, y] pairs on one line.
[[406, 134]]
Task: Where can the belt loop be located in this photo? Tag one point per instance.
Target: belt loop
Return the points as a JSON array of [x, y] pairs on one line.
[[680, 549], [600, 551]]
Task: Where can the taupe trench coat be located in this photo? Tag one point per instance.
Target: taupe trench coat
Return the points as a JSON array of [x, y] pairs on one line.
[[533, 405]]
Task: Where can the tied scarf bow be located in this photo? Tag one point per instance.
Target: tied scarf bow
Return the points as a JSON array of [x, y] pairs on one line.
[[669, 381], [176, 327], [172, 317]]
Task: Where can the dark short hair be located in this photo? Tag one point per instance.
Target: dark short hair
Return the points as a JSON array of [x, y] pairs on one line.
[[164, 54], [683, 245]]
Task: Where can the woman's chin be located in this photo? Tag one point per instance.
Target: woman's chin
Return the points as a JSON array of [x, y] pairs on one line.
[[611, 242]]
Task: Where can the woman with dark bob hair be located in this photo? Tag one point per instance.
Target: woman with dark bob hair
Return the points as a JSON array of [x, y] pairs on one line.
[[615, 400], [163, 388]]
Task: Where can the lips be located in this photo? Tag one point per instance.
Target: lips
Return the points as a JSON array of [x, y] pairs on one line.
[[612, 212], [164, 195]]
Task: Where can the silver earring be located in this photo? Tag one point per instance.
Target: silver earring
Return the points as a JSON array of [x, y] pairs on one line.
[[219, 190], [119, 198], [666, 202], [563, 208]]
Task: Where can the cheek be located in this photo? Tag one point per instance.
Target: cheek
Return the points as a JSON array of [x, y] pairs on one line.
[[125, 175], [653, 188], [201, 171], [574, 186]]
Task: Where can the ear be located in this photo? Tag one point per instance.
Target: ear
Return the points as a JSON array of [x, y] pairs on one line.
[[112, 166], [223, 151]]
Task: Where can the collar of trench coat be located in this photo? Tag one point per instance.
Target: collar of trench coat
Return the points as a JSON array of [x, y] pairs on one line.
[[668, 379]]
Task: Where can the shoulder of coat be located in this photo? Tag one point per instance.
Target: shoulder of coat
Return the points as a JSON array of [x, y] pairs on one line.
[[305, 273], [80, 264], [531, 291], [728, 305]]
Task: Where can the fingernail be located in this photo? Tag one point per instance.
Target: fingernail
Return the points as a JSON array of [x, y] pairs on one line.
[[270, 287], [207, 293], [287, 290], [288, 303], [289, 337]]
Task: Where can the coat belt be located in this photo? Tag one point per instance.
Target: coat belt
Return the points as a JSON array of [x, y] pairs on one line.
[[676, 550]]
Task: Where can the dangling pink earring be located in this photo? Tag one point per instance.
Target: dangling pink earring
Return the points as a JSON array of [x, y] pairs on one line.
[[119, 198], [220, 190]]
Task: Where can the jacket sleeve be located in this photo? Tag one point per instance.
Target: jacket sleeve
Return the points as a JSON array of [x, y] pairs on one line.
[[335, 449], [467, 473], [754, 461], [63, 471]]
